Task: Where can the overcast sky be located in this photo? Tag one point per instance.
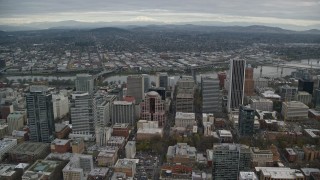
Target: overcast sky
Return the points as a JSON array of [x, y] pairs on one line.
[[290, 12]]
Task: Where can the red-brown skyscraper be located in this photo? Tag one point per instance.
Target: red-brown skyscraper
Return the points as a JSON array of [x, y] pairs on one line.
[[249, 82], [153, 108], [222, 76]]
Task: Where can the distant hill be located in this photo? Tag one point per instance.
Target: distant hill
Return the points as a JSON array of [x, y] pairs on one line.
[[109, 30], [210, 26]]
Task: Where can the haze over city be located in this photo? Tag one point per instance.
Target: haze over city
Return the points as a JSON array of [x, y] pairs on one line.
[[292, 14]]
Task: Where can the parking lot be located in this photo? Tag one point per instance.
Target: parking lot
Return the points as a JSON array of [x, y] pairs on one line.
[[148, 166]]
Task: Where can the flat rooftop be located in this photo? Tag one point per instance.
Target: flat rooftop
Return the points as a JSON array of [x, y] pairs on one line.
[[60, 142], [125, 163], [182, 115], [30, 148], [100, 171], [280, 172]]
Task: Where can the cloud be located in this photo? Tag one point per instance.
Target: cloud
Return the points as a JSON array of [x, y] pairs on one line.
[[298, 12]]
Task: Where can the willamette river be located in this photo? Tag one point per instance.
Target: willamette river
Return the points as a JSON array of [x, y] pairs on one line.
[[267, 71]]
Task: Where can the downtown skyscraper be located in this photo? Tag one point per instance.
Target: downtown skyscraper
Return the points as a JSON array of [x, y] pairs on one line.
[[236, 86], [40, 114]]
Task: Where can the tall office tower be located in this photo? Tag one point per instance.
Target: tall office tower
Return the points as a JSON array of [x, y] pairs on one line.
[[102, 103], [211, 95], [82, 113], [246, 121], [123, 112], [84, 83], [229, 160], [40, 114], [135, 87], [222, 76], [147, 82], [316, 99], [306, 85], [236, 86], [288, 93], [249, 82], [153, 108], [162, 80], [185, 94]]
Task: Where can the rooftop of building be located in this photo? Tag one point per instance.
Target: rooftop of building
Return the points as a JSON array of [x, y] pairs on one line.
[[295, 104], [225, 133], [44, 166], [231, 147], [59, 127], [125, 163], [121, 125], [286, 86], [100, 171], [256, 150], [129, 99], [182, 115], [117, 139], [131, 143], [185, 95], [30, 148], [181, 149], [152, 93], [60, 142], [304, 93], [7, 142], [260, 100], [16, 133], [290, 151], [307, 171], [74, 164], [280, 172], [314, 133], [248, 175], [149, 131], [122, 103], [15, 115]]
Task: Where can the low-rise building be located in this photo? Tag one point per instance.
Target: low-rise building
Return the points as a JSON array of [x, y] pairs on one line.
[[78, 168], [185, 119], [283, 173], [60, 146], [6, 145], [62, 130], [15, 121], [118, 141], [98, 174], [263, 158], [130, 149], [29, 152], [77, 145], [294, 110], [261, 104], [149, 133], [108, 156], [243, 175], [225, 136], [127, 166], [121, 130], [181, 153], [44, 169], [3, 130]]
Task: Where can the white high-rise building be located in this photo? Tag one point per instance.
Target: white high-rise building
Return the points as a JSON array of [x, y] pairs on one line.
[[60, 105], [236, 86], [103, 134]]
